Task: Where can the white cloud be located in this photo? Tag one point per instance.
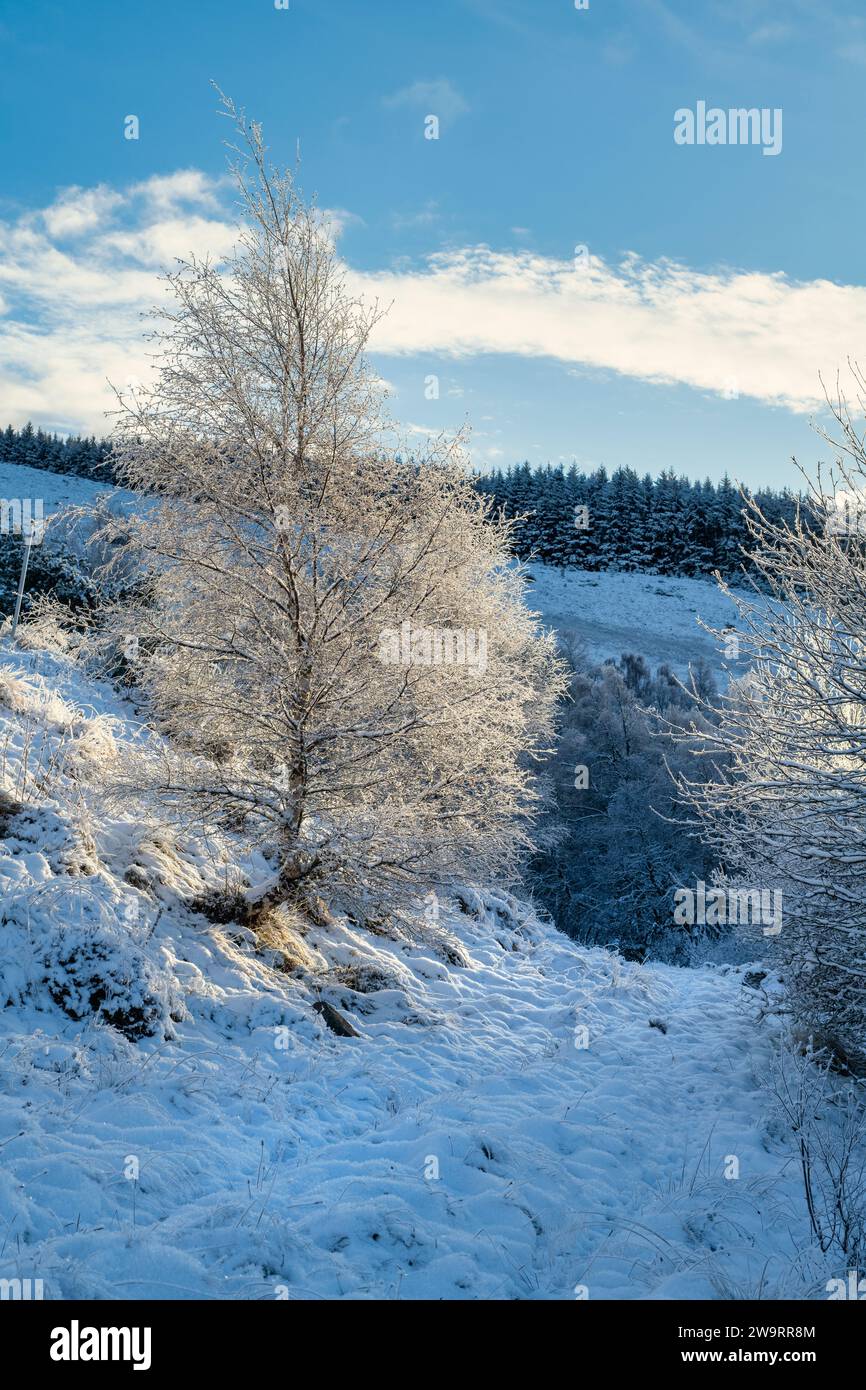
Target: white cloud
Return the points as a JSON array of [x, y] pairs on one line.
[[163, 192], [70, 313], [655, 321], [79, 209], [159, 244], [75, 278], [334, 222]]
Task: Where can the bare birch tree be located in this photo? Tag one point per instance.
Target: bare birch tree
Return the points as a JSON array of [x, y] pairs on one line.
[[333, 636]]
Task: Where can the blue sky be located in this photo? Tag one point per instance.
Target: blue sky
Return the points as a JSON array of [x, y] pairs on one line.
[[716, 282]]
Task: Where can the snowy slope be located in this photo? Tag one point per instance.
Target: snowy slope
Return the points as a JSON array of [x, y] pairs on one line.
[[465, 1145], [654, 616], [58, 499], [57, 490]]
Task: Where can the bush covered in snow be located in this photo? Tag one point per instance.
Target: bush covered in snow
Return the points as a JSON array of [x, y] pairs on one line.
[[66, 941]]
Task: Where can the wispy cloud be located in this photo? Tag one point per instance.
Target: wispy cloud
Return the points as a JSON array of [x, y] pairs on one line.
[[421, 217], [438, 98], [618, 50], [164, 192], [854, 51], [771, 34], [79, 210], [335, 221], [654, 321], [75, 278]]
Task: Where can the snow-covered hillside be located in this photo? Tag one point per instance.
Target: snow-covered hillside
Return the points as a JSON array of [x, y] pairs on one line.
[[56, 490], [65, 555], [219, 1140], [654, 616]]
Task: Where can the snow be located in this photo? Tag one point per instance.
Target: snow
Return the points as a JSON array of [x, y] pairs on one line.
[[464, 1146], [57, 490], [654, 616]]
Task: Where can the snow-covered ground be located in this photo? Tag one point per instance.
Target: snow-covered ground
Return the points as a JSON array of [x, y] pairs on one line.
[[56, 490], [654, 616], [518, 1117], [465, 1145]]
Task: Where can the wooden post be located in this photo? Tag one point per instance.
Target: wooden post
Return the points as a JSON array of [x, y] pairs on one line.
[[28, 544]]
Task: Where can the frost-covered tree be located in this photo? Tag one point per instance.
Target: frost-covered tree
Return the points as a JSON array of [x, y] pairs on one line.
[[333, 638], [792, 815]]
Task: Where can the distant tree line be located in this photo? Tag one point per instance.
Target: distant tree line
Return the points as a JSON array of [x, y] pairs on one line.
[[76, 454], [595, 521], [601, 521]]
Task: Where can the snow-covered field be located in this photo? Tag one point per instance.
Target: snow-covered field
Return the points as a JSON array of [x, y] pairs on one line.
[[465, 1145], [654, 616], [56, 490]]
